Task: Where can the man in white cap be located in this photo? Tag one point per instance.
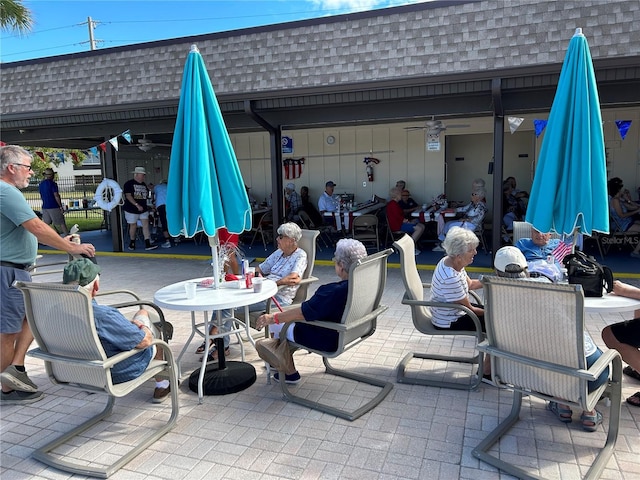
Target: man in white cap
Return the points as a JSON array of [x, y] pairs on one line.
[[294, 202], [52, 210], [135, 208]]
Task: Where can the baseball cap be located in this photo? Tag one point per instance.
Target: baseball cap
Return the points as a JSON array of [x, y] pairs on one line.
[[329, 184], [81, 272], [49, 171], [507, 256], [290, 186]]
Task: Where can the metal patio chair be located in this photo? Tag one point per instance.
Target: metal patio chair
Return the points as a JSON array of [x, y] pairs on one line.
[[61, 319], [357, 324], [526, 359], [421, 315]]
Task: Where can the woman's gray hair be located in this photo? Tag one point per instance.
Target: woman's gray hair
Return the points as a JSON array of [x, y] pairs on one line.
[[348, 252], [459, 241], [12, 154], [291, 230], [395, 192], [480, 191], [478, 183]]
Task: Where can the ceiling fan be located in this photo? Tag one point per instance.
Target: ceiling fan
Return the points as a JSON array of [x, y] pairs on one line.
[[145, 144], [434, 127]]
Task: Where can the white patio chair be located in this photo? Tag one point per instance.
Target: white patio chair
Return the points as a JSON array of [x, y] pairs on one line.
[[529, 358], [421, 315], [357, 324], [61, 319]]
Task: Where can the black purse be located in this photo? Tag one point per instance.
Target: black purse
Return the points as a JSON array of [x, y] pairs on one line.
[[585, 270]]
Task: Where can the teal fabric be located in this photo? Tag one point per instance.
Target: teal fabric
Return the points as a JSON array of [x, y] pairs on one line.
[[570, 185], [205, 188]]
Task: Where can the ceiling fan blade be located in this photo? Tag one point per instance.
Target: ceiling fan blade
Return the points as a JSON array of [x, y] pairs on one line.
[[415, 128], [460, 125]]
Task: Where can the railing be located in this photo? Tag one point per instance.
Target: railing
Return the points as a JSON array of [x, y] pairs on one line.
[[75, 193]]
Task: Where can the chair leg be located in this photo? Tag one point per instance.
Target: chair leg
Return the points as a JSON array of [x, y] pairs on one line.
[[474, 379], [347, 415], [43, 453]]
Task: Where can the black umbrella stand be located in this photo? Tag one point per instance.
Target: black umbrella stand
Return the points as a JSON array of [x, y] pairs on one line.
[[224, 377]]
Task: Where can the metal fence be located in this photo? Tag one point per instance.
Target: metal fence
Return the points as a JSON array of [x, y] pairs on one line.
[[76, 194]]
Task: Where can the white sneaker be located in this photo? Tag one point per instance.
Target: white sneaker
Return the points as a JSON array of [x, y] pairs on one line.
[[438, 248], [166, 244]]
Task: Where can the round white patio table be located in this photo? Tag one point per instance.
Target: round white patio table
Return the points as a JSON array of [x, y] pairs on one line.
[[234, 376], [610, 304]]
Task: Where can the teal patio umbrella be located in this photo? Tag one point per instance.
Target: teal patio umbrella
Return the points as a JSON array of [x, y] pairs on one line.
[[206, 192], [569, 192], [205, 189]]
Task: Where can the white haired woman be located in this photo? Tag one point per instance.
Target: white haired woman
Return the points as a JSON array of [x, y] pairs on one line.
[[327, 304], [285, 266], [473, 214], [451, 284]]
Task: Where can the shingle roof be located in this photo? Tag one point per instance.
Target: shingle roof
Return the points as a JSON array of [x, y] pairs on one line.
[[423, 40]]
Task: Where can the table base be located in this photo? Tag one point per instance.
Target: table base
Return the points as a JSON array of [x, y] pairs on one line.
[[235, 377]]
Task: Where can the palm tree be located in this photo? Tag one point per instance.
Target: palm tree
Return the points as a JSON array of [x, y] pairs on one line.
[[14, 16]]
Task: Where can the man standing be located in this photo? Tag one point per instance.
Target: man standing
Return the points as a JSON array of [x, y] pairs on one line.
[[20, 232], [52, 210], [135, 208], [160, 192]]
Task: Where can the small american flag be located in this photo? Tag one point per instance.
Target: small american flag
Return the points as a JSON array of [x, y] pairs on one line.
[[562, 250]]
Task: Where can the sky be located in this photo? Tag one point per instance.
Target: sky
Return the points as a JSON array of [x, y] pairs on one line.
[[61, 27]]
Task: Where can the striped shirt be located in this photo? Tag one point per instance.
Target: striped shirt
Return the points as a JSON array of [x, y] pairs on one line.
[[448, 285]]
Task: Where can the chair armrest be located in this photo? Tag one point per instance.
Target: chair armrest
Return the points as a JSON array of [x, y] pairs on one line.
[[338, 327], [165, 327], [590, 375], [456, 306], [118, 292]]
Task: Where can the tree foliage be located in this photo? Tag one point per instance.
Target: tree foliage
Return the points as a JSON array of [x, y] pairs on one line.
[[14, 16]]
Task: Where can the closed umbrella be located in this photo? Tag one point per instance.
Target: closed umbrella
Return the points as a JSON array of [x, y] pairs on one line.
[[205, 192], [569, 192], [205, 189]]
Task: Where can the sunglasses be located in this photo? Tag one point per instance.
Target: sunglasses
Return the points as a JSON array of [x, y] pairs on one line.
[[28, 167]]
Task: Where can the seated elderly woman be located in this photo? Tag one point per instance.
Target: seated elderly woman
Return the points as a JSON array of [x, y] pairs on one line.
[[510, 262], [622, 212], [472, 216], [398, 222], [451, 284], [285, 266], [327, 304]]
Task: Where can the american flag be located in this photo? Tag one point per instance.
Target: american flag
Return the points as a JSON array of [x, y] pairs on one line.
[[562, 250]]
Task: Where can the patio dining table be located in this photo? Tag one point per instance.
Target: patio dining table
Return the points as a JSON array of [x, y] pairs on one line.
[[237, 375], [344, 217]]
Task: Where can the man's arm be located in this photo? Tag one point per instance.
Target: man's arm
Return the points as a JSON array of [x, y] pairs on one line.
[[140, 321], [47, 235], [132, 200]]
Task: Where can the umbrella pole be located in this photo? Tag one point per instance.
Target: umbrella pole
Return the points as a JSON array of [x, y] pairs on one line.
[[213, 242]]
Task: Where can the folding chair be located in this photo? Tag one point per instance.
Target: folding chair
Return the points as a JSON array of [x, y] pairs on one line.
[[357, 324], [527, 359], [365, 229], [263, 228], [61, 319], [421, 315]]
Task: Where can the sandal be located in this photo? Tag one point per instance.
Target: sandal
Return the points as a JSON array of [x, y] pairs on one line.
[[202, 346], [213, 331], [634, 399], [595, 419], [629, 371], [563, 414]]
